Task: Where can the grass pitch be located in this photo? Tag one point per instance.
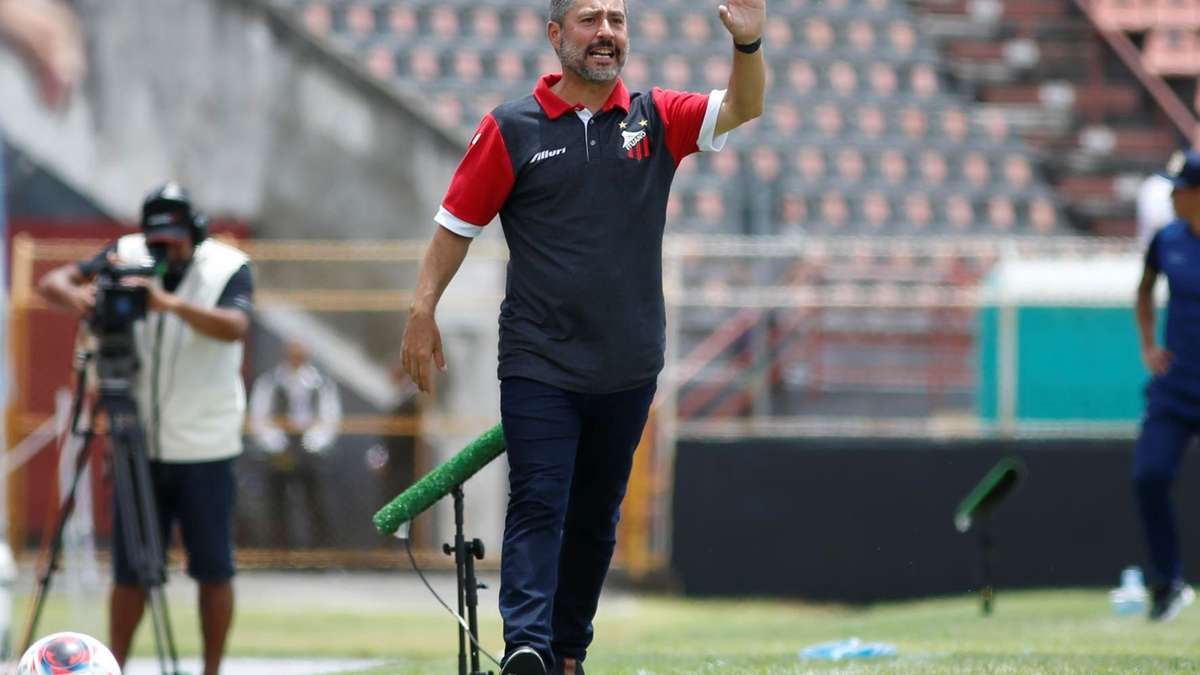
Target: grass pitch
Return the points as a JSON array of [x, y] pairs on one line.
[[1030, 632]]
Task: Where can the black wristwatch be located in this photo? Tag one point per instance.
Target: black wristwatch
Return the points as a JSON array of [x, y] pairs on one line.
[[749, 47]]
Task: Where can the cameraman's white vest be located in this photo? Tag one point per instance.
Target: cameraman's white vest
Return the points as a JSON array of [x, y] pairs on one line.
[[201, 397]]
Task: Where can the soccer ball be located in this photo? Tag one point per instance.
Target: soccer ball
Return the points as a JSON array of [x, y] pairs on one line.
[[68, 654]]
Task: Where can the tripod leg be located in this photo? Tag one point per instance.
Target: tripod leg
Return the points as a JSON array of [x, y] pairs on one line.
[[53, 550], [136, 502]]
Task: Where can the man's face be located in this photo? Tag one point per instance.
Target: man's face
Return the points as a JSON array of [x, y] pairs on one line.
[[179, 250], [296, 355], [1186, 201], [593, 40]]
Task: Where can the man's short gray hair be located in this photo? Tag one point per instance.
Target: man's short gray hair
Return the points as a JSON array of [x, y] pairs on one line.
[[559, 9]]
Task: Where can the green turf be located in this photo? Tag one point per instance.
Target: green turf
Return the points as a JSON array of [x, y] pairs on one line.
[[1031, 632]]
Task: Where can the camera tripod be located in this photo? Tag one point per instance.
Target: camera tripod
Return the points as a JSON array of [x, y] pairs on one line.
[[116, 365]]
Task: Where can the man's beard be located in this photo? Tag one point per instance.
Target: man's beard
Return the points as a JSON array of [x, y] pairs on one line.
[[575, 59]]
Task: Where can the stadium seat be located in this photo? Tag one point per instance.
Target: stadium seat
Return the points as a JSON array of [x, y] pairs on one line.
[[872, 123], [934, 171], [923, 81], [893, 167], [960, 212], [876, 211], [529, 26], [1172, 52], [468, 66], [675, 72], [914, 123], [401, 20], [850, 165], [716, 72], [810, 162], [765, 164], [1177, 14], [724, 165], [360, 19], [778, 32], [883, 80], [975, 170], [443, 22], [835, 212], [860, 35], [828, 120], [1001, 213], [318, 18], [510, 66], [842, 78], [485, 23], [801, 77], [652, 27], [819, 35], [1128, 15], [424, 64], [381, 61], [1017, 172], [954, 125], [695, 28], [918, 211], [902, 37], [1043, 215]]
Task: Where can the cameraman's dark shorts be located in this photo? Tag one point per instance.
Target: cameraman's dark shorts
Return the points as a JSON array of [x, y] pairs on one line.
[[199, 496]]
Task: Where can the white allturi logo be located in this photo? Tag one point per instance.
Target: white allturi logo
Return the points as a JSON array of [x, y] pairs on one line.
[[632, 138], [547, 154]]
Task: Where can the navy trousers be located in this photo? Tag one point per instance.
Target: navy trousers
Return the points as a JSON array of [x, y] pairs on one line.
[[569, 458], [1167, 428]]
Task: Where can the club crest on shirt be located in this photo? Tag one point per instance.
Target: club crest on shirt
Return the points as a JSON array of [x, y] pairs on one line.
[[636, 144]]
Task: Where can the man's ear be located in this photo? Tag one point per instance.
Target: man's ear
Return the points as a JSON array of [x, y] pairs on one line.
[[554, 34]]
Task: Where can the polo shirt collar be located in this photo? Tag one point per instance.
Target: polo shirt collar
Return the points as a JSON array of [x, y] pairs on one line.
[[555, 107]]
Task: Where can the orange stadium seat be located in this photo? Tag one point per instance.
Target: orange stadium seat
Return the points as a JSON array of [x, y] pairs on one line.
[[843, 79], [1018, 174], [975, 169], [934, 170], [318, 18], [960, 212], [695, 27], [1177, 13], [1002, 213], [1172, 52], [810, 163], [860, 35], [923, 81], [443, 22], [902, 37], [1130, 15], [893, 167], [918, 211], [381, 61], [468, 66]]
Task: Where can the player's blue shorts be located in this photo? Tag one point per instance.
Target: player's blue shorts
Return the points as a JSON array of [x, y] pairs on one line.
[[199, 497]]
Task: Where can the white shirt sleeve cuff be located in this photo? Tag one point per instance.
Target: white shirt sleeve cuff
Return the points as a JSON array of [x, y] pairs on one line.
[[707, 142], [456, 225]]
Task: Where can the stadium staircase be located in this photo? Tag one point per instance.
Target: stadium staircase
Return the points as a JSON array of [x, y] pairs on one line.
[[1102, 91]]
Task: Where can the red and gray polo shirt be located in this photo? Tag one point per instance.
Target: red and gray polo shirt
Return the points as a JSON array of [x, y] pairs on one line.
[[582, 199]]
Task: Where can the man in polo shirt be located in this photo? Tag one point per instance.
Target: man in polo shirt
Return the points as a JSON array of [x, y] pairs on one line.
[[579, 173], [1172, 417]]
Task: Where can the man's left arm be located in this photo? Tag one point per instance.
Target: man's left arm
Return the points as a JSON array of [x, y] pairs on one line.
[[744, 19], [228, 321]]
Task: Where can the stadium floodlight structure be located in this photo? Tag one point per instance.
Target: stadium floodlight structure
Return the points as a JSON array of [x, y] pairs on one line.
[[974, 511]]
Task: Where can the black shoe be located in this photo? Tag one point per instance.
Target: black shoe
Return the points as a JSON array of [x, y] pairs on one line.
[[560, 669], [524, 661], [1170, 600]]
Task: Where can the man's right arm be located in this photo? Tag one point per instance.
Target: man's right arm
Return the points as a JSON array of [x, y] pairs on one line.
[[422, 341], [1157, 359], [68, 288]]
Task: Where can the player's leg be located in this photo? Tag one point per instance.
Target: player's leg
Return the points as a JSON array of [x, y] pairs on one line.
[[1156, 461], [612, 429], [207, 497], [541, 431]]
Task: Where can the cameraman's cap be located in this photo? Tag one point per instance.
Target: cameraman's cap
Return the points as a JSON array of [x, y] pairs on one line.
[[167, 225], [1183, 169]]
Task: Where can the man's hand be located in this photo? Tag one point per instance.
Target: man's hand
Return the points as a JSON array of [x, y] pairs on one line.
[[1157, 359], [422, 343], [744, 19], [82, 299], [158, 299]]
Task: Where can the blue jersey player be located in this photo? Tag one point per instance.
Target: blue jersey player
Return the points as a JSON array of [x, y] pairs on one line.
[[1172, 415]]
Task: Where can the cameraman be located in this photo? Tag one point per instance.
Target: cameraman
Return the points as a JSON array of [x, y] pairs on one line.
[[190, 394]]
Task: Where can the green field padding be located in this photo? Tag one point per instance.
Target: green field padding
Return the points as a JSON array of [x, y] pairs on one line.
[[439, 482]]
